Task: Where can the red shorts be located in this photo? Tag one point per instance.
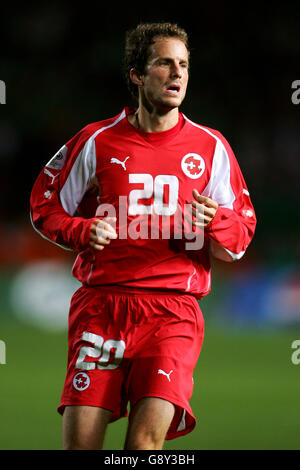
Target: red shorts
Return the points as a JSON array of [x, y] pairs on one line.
[[125, 346]]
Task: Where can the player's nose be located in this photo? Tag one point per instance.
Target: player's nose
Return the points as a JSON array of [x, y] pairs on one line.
[[176, 71]]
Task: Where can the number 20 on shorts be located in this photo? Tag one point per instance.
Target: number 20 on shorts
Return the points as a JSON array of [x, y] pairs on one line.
[[101, 352]]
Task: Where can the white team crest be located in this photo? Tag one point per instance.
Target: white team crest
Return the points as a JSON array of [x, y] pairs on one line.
[[193, 165], [119, 162], [160, 371], [81, 381]]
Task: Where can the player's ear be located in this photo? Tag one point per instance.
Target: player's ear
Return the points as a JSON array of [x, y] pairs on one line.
[[136, 77]]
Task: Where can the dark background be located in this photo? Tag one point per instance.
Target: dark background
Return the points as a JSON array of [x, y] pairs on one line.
[[62, 65]]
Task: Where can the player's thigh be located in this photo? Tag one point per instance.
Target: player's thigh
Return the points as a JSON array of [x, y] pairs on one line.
[[84, 427], [149, 421]]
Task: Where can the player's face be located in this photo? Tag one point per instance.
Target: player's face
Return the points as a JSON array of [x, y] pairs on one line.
[[166, 73]]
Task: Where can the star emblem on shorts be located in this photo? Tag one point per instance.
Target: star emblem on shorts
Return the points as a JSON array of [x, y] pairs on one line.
[[81, 381]]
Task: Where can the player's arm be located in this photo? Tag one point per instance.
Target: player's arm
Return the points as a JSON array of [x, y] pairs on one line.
[[57, 193], [225, 210], [203, 209]]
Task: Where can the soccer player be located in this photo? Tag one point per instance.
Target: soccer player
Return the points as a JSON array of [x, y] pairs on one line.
[[117, 194]]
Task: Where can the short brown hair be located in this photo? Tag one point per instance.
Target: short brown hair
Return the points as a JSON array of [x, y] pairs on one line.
[[137, 44]]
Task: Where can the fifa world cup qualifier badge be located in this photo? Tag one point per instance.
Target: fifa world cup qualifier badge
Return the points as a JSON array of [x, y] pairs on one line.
[[2, 92]]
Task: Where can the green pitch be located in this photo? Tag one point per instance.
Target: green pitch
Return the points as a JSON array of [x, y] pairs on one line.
[[246, 392]]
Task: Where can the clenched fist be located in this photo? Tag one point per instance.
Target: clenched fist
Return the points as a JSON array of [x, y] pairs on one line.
[[102, 232]]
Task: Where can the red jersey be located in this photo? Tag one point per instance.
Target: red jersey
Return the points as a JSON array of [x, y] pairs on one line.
[[145, 180]]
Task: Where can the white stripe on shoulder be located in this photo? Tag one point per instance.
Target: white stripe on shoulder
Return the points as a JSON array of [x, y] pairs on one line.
[[82, 172], [218, 187], [202, 128]]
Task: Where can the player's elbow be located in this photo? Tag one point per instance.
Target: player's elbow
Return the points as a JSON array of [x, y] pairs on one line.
[[223, 254]]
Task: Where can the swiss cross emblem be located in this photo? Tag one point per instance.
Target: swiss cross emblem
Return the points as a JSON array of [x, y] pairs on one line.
[[81, 381], [193, 165]]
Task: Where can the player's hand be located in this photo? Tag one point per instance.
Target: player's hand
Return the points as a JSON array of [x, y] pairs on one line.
[[203, 209], [102, 232]]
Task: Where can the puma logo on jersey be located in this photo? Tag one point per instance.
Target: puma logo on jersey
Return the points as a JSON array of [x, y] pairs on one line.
[[116, 160], [160, 371], [47, 172]]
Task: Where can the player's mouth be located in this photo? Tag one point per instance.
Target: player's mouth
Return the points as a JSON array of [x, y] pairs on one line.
[[173, 89]]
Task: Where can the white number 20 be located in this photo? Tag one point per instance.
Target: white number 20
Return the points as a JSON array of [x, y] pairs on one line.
[[153, 188], [101, 352]]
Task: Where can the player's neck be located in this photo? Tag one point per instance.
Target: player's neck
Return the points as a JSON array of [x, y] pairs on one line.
[[153, 121]]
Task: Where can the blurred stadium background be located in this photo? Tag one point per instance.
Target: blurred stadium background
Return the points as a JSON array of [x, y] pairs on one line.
[[62, 68]]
